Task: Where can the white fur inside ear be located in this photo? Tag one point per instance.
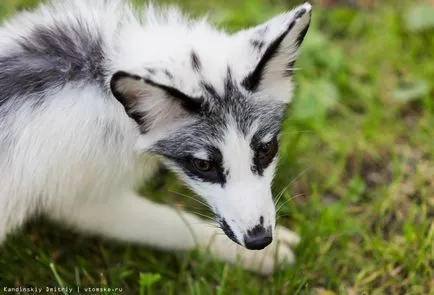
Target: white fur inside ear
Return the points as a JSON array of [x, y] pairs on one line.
[[131, 88], [155, 107]]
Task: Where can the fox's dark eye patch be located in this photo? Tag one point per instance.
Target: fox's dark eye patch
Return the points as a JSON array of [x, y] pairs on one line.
[[264, 154], [209, 171], [205, 170]]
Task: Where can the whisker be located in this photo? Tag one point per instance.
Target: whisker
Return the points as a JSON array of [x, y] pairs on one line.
[[203, 215], [210, 224], [288, 200], [278, 215], [279, 195], [296, 196], [190, 197], [290, 183], [192, 207], [296, 132]]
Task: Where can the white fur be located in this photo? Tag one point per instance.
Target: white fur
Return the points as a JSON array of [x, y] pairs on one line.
[[60, 168]]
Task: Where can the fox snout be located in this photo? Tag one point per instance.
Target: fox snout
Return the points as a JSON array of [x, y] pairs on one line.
[[256, 238]]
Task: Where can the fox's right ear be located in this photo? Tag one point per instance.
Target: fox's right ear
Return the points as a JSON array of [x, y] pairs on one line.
[[150, 103], [273, 48]]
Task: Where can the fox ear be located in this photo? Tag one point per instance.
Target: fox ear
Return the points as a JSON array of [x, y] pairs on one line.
[[275, 45], [149, 103]]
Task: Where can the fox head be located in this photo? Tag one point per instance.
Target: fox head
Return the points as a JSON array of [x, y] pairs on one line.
[[212, 105]]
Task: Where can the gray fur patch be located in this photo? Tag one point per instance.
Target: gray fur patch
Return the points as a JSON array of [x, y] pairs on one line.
[[48, 58]]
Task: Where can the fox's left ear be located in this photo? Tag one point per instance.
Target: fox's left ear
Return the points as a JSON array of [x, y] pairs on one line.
[[274, 46]]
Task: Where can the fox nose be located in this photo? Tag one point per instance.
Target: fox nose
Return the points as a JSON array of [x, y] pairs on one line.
[[258, 238]]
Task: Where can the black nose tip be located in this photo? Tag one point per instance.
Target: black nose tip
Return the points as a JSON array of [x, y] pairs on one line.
[[258, 238]]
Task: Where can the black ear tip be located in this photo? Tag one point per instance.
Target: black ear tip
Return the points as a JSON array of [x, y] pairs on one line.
[[300, 13], [309, 2], [307, 6], [303, 9]]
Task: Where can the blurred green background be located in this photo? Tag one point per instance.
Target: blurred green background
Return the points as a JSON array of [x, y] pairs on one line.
[[356, 170]]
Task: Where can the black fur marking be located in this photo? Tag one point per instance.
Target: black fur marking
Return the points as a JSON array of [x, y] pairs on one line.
[[302, 34], [195, 62], [211, 90], [47, 59], [257, 44], [190, 104], [168, 75], [230, 95], [261, 220], [151, 71], [230, 87], [228, 231], [263, 155], [289, 69], [300, 13], [217, 175]]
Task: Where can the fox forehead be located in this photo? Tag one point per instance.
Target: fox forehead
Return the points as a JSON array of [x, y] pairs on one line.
[[211, 134], [201, 55]]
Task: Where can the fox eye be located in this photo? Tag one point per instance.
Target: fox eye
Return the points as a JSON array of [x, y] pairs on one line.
[[202, 165], [267, 151]]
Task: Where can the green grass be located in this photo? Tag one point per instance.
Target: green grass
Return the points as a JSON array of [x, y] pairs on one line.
[[357, 158]]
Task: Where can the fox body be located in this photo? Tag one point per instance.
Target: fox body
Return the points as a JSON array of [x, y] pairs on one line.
[[94, 95]]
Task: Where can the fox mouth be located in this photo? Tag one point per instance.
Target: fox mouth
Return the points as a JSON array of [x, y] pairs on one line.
[[227, 230]]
